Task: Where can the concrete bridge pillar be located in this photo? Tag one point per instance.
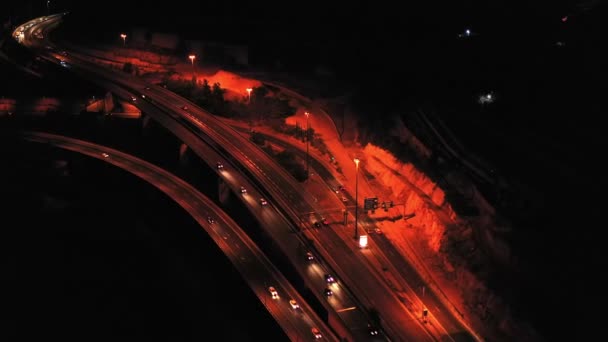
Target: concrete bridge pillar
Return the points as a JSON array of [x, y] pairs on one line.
[[223, 191], [184, 155], [145, 121]]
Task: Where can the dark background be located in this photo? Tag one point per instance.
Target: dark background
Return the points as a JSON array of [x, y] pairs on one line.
[[386, 49]]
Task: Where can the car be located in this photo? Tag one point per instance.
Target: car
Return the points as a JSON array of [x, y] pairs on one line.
[[185, 107], [344, 199], [294, 304], [377, 230], [309, 256], [336, 190], [328, 292], [273, 293], [105, 155], [316, 224], [324, 221], [243, 190], [372, 330], [220, 166], [263, 201], [316, 333], [133, 98], [143, 96], [210, 220], [329, 279]]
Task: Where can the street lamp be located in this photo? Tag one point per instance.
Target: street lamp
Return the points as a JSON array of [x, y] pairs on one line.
[[356, 198], [192, 58], [307, 134], [48, 8], [124, 37], [249, 94]]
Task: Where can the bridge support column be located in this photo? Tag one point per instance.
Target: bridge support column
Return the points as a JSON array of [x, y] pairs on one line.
[[145, 122], [184, 155], [223, 191]]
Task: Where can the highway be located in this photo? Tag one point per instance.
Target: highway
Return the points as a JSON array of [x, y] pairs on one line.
[[403, 278], [361, 284], [244, 254], [352, 324]]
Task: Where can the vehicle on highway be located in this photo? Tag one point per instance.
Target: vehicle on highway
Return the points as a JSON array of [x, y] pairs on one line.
[[185, 107], [273, 293], [377, 230], [372, 330], [316, 333], [309, 256], [105, 155], [328, 292], [263, 201], [294, 304], [210, 220], [220, 166], [324, 221], [133, 98], [329, 279], [143, 96], [344, 199], [243, 190]]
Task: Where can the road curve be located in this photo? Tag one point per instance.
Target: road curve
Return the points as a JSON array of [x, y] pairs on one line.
[[244, 254]]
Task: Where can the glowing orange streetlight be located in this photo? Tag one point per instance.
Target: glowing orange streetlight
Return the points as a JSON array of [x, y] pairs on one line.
[[249, 94], [124, 39], [192, 58], [356, 197], [307, 133]]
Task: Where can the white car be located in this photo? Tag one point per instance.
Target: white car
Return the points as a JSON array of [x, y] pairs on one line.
[[316, 333], [263, 201], [243, 190], [294, 304], [273, 293]]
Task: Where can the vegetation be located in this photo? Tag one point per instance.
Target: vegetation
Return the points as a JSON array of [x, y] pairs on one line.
[[262, 105], [286, 158], [201, 93]]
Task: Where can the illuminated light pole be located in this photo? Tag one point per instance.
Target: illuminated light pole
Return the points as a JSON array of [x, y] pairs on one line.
[[124, 39], [192, 58], [249, 94], [48, 8], [356, 198], [307, 133]]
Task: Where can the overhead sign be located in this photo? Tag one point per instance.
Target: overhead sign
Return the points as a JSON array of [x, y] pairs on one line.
[[370, 203]]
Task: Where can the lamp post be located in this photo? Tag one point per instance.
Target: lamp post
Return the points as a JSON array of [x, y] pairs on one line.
[[307, 133], [192, 58], [48, 8], [124, 39], [356, 198], [249, 94]]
